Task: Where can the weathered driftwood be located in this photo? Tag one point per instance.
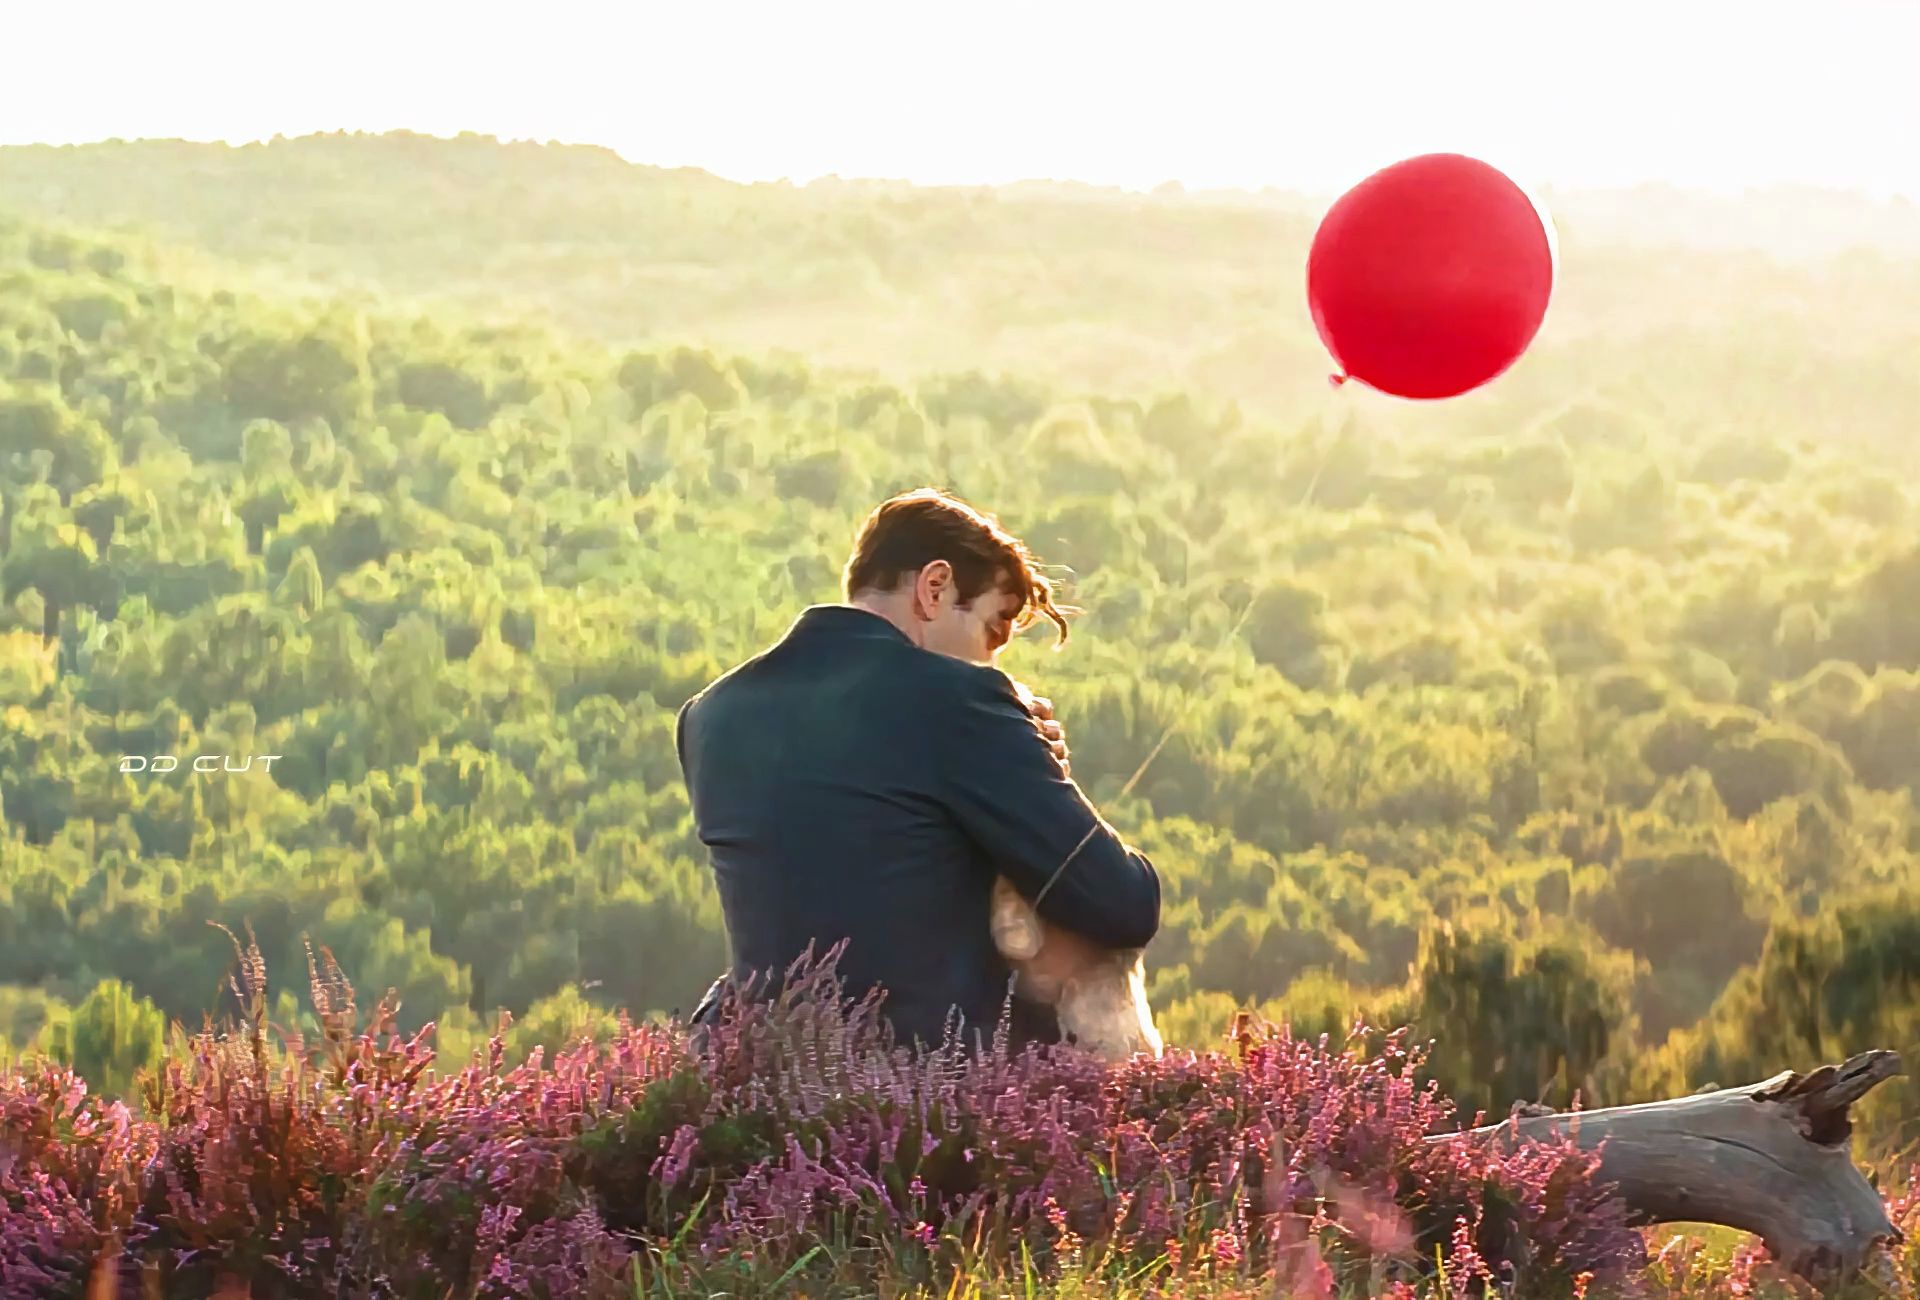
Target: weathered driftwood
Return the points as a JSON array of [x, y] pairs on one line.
[[1771, 1158]]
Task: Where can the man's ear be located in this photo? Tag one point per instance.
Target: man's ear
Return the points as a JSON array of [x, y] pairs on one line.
[[933, 581]]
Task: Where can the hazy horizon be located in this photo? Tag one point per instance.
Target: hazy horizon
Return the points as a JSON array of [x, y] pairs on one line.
[[1709, 97]]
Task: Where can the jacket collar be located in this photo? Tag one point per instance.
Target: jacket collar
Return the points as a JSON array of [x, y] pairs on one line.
[[845, 620]]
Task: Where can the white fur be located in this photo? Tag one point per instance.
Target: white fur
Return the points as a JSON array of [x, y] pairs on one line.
[[1100, 996]]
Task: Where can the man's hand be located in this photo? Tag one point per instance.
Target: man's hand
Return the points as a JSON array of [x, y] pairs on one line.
[[1042, 710], [1050, 728]]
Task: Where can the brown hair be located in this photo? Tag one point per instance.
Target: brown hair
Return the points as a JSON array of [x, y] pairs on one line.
[[907, 532]]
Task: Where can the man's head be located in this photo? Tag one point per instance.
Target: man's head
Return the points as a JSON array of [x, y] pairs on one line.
[[947, 575]]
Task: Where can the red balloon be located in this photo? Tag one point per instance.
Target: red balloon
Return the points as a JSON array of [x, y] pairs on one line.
[[1430, 277]]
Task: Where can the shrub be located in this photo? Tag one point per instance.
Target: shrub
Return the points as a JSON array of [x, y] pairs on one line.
[[790, 1137]]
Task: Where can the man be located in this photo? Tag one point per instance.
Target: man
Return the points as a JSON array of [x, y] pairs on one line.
[[851, 785]]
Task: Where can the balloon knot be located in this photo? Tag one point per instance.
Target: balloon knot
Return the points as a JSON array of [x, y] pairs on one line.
[[1336, 381]]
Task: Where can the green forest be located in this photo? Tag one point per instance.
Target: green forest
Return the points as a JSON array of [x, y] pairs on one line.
[[1575, 722]]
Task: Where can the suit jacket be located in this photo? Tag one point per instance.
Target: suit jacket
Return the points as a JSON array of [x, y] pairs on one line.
[[850, 785]]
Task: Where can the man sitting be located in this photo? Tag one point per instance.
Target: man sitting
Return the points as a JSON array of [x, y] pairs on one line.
[[850, 785]]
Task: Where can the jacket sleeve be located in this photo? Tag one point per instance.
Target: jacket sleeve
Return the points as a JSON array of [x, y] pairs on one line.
[[1011, 797]]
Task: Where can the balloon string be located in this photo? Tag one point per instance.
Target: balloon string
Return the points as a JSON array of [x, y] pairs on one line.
[[1147, 762]]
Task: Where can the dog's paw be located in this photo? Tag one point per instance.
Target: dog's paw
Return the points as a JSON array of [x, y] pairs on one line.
[[1015, 925], [1017, 938]]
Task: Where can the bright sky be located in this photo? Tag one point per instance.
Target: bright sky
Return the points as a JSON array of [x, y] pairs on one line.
[[1711, 93]]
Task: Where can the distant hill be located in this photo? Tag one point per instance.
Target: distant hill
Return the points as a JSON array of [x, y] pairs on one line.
[[1788, 222], [1090, 289]]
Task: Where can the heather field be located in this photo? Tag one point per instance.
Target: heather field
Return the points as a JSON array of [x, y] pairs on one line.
[[793, 1153]]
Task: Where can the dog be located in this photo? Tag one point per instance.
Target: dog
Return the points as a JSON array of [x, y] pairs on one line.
[[1099, 994]]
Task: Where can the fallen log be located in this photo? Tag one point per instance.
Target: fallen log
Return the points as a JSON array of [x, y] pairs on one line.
[[1770, 1158]]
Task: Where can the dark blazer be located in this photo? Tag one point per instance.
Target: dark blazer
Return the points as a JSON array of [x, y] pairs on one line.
[[850, 785]]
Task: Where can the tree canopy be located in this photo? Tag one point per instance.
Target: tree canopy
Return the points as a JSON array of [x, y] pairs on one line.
[[1571, 721]]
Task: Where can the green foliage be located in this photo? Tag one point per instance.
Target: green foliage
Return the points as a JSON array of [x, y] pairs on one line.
[[443, 386], [1825, 987], [1611, 668], [307, 376], [1512, 1019], [108, 1039], [557, 1022]]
